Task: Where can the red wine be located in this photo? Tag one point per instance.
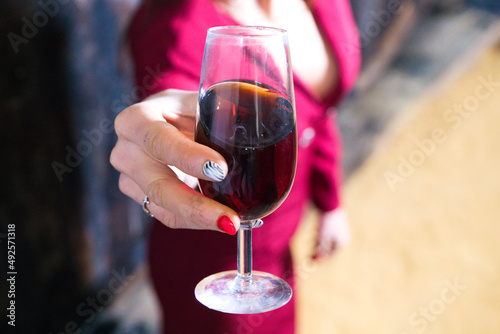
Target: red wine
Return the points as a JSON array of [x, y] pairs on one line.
[[253, 127]]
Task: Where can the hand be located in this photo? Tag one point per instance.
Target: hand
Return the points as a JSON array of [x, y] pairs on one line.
[[333, 233], [158, 133]]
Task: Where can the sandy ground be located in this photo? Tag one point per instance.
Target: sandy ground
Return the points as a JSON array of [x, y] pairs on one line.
[[425, 217]]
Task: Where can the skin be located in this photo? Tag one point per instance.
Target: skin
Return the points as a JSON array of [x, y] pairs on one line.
[[313, 61], [156, 154], [154, 135]]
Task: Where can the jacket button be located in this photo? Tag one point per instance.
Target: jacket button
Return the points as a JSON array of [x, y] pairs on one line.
[[306, 137]]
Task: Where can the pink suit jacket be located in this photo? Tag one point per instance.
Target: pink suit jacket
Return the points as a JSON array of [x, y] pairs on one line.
[[172, 40]]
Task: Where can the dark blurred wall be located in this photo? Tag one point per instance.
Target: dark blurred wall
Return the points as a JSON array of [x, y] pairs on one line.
[[34, 118], [375, 18], [63, 79], [492, 6]]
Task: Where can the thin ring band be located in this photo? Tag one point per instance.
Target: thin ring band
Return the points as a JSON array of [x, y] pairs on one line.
[[145, 203]]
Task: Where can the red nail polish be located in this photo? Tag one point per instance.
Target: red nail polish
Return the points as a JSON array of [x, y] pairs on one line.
[[226, 225]]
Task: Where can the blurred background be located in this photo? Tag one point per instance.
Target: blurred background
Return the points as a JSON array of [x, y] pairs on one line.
[[421, 162]]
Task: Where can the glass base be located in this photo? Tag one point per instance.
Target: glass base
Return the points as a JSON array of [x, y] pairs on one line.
[[227, 293]]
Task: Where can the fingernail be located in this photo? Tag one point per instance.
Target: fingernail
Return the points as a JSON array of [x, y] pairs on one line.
[[226, 225], [213, 171]]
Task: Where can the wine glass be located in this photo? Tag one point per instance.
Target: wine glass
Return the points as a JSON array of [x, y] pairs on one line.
[[246, 112]]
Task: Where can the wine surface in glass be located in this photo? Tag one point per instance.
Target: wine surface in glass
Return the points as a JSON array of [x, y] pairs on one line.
[[253, 127]]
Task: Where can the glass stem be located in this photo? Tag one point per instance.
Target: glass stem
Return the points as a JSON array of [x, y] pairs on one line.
[[243, 281], [244, 258]]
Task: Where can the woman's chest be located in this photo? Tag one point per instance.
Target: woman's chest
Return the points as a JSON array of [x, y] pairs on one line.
[[313, 60]]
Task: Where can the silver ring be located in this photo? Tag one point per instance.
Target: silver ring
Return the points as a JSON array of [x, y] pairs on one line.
[[145, 203]]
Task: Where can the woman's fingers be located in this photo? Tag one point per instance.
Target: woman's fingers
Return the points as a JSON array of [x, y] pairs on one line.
[[333, 233], [177, 108], [144, 124], [171, 201], [156, 134], [212, 218]]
